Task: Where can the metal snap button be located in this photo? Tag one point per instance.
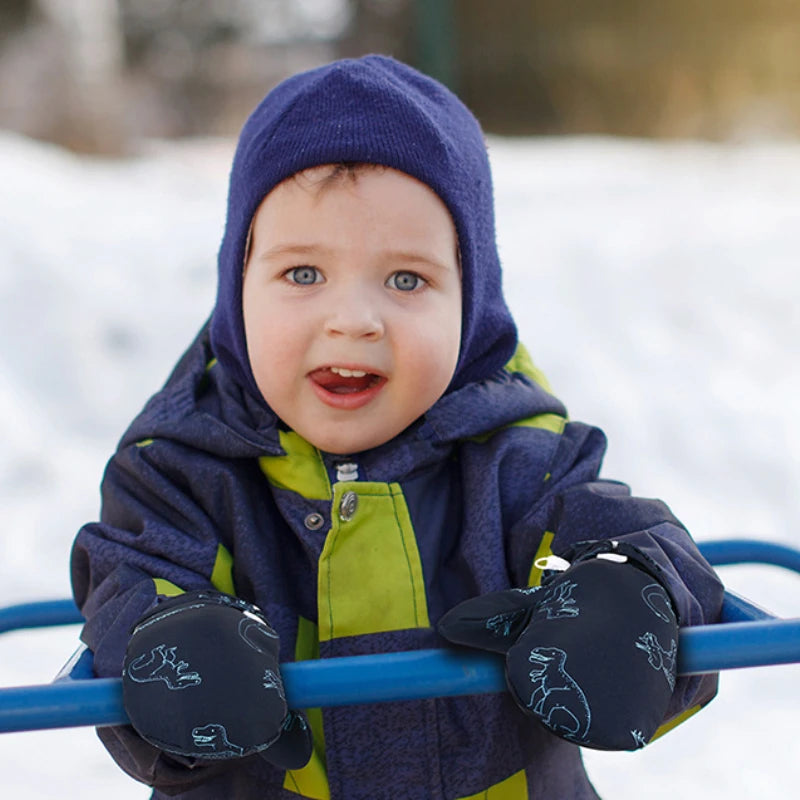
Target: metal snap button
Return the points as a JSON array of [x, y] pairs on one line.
[[314, 521], [347, 472], [348, 506]]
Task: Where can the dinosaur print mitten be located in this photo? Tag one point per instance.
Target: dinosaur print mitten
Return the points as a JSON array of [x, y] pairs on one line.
[[201, 680], [591, 653]]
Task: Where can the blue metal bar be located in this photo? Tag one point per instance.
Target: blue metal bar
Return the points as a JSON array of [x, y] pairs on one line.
[[748, 636], [719, 553], [48, 613], [737, 609], [710, 648], [415, 675], [750, 551], [41, 614], [66, 704], [395, 676]]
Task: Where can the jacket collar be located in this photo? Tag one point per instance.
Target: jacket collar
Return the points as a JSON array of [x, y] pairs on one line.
[[203, 407]]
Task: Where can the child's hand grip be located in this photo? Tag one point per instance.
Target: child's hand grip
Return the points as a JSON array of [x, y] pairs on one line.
[[591, 653], [201, 680]]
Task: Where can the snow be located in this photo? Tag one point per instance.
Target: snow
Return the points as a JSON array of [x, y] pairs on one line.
[[656, 284]]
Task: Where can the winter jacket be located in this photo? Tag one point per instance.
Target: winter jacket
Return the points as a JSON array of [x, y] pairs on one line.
[[349, 556]]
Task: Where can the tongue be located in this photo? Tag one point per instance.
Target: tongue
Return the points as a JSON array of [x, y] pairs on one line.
[[338, 384]]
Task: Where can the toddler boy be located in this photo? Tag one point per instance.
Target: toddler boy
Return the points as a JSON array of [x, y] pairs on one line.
[[355, 451]]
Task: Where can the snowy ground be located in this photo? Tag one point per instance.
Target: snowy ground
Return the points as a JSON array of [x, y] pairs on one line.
[[657, 285]]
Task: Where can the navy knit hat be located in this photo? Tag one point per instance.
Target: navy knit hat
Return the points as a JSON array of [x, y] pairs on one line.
[[379, 111]]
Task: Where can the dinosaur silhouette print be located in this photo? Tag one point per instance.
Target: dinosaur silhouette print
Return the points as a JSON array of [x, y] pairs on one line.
[[213, 738], [556, 698], [257, 634], [657, 600], [160, 665], [504, 624], [558, 602], [638, 739], [658, 657], [271, 680]]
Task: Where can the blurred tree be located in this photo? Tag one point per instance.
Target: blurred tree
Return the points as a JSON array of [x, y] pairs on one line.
[[712, 68], [96, 74], [435, 40], [14, 15], [419, 32], [380, 26], [60, 72], [199, 66]]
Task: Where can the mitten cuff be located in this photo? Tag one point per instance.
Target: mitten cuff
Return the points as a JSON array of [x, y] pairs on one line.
[[621, 552]]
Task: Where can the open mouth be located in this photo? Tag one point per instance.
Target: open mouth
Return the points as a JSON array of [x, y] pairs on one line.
[[340, 380], [346, 388]]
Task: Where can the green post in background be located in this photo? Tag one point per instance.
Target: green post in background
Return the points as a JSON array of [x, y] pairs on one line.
[[436, 40]]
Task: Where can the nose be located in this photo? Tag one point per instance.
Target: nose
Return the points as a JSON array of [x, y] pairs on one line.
[[355, 317]]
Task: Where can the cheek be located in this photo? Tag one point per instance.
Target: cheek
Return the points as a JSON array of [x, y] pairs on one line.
[[447, 330], [269, 337], [431, 353]]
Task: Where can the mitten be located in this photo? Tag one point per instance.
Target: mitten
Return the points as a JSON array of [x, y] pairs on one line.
[[591, 653], [201, 680]]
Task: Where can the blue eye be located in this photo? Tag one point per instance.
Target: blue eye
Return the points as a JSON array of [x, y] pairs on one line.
[[304, 276], [405, 281]]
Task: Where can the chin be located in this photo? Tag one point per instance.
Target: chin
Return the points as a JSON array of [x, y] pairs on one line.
[[344, 448], [346, 445]]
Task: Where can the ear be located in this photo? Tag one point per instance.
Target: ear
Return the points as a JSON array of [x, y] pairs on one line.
[[491, 621]]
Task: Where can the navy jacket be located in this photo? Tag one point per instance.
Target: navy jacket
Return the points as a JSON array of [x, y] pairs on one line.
[[363, 555]]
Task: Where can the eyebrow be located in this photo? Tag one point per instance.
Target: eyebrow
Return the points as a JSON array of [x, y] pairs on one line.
[[291, 250], [411, 257], [403, 256]]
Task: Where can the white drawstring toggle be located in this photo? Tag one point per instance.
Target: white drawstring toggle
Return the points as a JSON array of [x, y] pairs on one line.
[[554, 563], [617, 558]]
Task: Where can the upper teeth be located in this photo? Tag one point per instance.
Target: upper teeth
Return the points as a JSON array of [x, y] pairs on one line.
[[348, 373]]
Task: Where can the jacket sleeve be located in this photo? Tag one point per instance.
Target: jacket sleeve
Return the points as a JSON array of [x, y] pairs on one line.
[[153, 538], [578, 506]]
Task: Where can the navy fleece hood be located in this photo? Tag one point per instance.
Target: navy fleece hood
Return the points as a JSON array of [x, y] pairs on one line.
[[373, 110]]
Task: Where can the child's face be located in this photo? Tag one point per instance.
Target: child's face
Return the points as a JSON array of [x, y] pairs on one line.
[[352, 305]]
